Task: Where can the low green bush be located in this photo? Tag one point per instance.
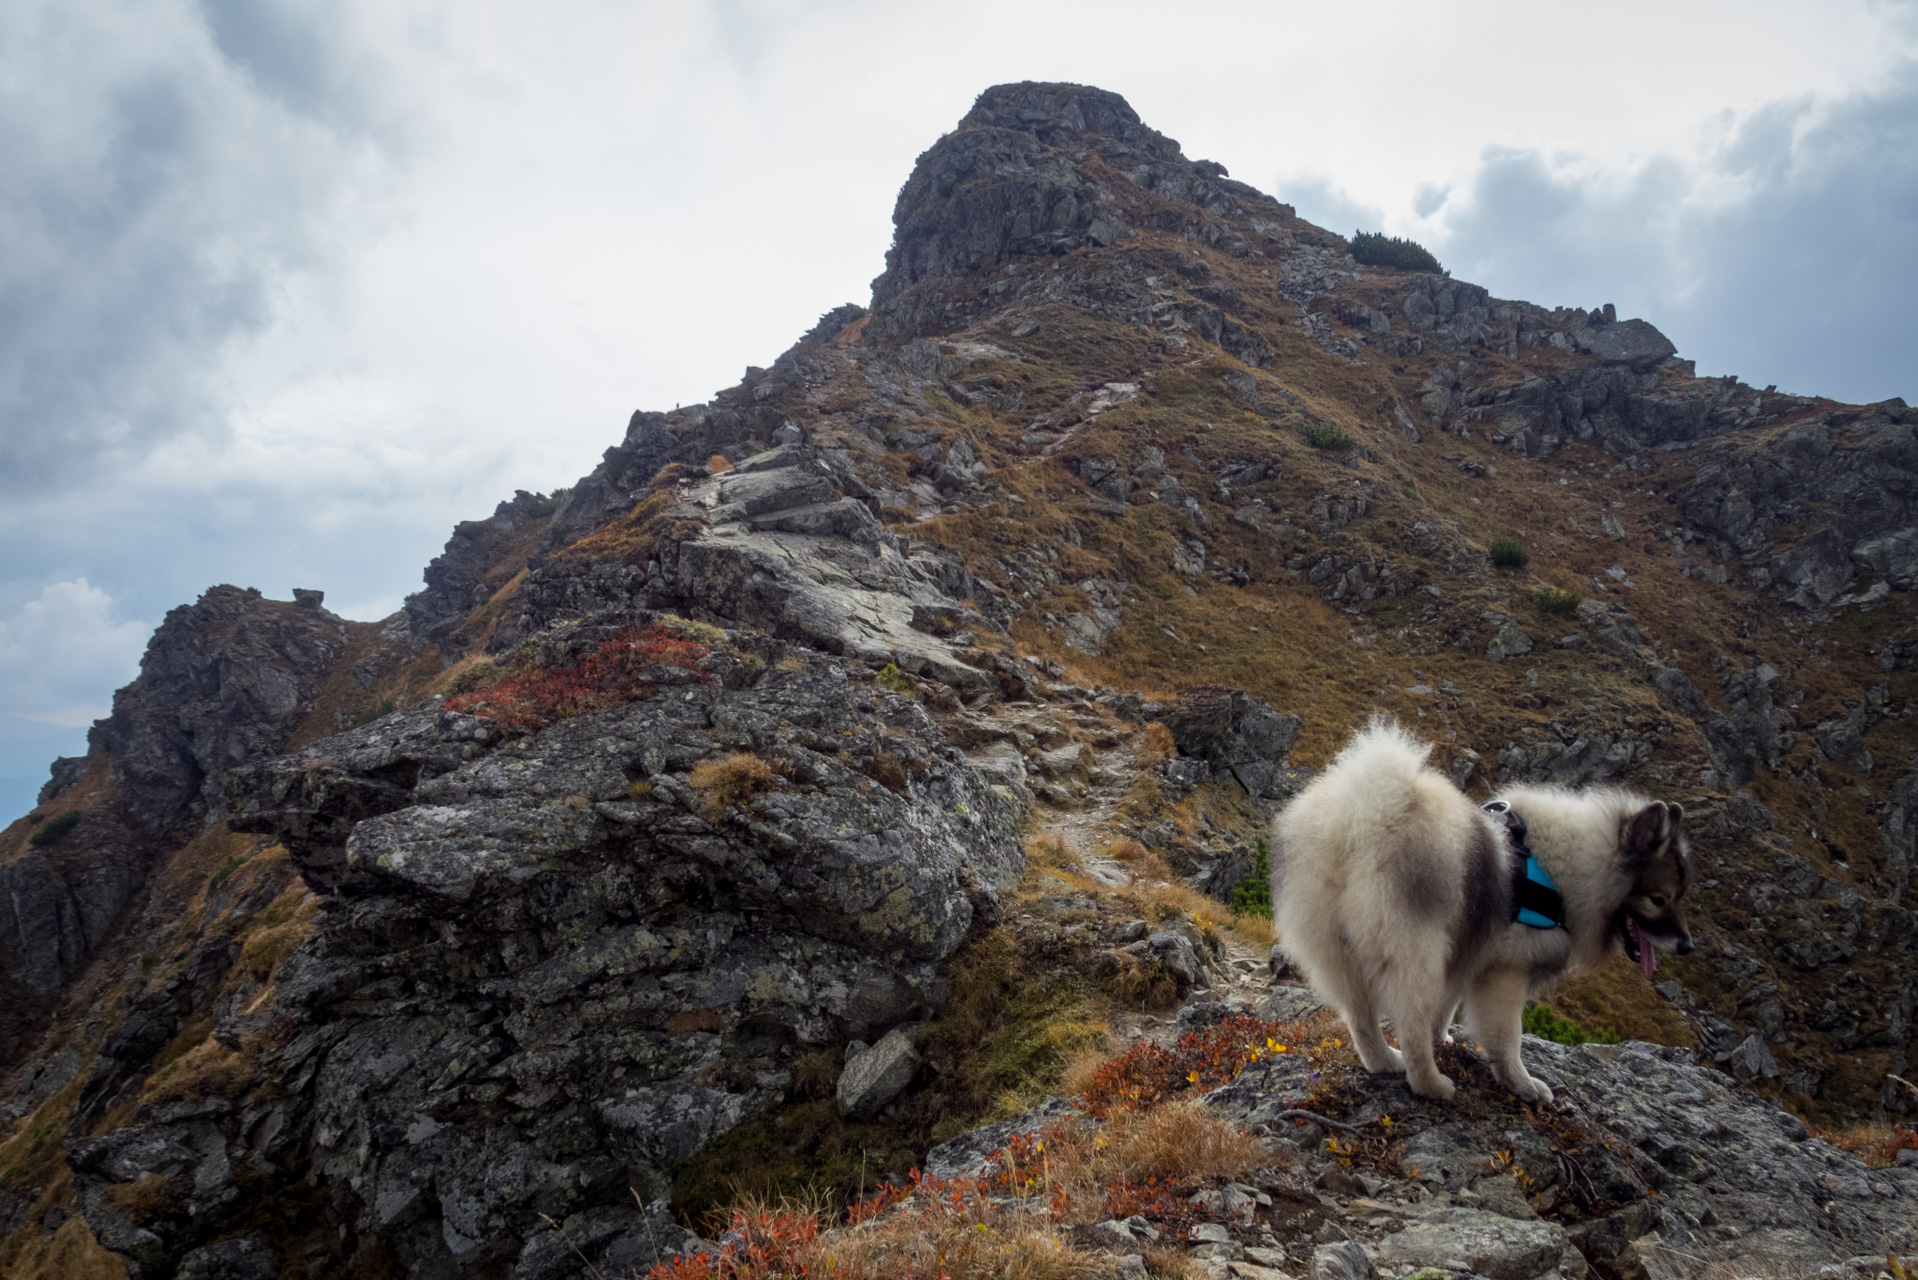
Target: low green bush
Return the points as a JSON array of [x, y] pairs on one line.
[[1508, 554], [1560, 604], [53, 828], [1375, 249], [1329, 438]]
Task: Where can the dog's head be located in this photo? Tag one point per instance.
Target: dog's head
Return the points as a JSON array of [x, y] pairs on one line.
[[1652, 851]]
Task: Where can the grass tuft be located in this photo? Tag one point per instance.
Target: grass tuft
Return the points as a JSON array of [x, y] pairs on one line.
[[731, 780], [1558, 603]]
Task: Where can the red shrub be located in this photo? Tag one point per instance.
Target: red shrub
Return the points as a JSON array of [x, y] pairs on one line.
[[1147, 1074], [611, 675]]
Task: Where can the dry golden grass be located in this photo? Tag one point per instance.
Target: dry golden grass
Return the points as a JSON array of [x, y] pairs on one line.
[[207, 1070], [152, 1196], [1008, 1245], [717, 464], [1158, 742], [731, 780], [70, 1253], [1177, 1140]]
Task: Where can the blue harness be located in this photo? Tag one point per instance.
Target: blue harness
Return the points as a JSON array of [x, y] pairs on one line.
[[1536, 900]]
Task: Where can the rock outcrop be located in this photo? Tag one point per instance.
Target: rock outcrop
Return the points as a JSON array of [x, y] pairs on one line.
[[552, 967], [224, 681]]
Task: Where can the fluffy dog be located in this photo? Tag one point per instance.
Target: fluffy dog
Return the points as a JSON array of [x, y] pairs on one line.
[[1399, 897]]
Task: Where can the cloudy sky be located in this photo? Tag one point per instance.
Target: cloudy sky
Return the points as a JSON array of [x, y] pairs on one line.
[[289, 287]]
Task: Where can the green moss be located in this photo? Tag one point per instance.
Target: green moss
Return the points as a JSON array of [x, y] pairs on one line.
[[1545, 1022]]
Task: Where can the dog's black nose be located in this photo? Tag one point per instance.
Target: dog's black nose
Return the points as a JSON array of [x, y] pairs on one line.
[[1684, 947]]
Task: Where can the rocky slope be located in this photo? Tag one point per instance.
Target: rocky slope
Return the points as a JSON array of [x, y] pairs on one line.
[[1128, 497]]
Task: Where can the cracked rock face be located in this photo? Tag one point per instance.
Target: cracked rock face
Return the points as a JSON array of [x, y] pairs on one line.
[[551, 968], [1730, 1170]]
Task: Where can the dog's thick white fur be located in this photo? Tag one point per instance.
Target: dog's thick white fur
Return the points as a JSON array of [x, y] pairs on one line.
[[1392, 891]]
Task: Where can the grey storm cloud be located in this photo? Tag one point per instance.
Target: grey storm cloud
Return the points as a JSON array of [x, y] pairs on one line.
[[1783, 254], [166, 166]]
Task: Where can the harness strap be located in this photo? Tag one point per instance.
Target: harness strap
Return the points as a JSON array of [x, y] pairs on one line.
[[1536, 901]]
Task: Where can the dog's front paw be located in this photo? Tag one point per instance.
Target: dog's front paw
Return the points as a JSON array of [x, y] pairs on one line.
[[1532, 1089], [1439, 1087]]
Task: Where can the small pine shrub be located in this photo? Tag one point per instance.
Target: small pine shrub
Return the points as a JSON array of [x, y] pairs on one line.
[[1546, 1023], [1329, 438], [895, 679], [53, 828], [1375, 249], [1508, 554], [1560, 604], [1252, 895]]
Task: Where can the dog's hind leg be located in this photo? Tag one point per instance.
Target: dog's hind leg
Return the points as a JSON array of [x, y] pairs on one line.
[[1346, 991], [1494, 1014], [1415, 1021]]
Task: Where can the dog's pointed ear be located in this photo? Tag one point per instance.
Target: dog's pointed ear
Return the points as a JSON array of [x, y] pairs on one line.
[[1678, 814], [1646, 831]]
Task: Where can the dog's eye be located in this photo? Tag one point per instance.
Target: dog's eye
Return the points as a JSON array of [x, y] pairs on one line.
[[1659, 900]]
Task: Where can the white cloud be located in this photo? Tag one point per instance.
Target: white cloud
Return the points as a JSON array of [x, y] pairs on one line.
[[1778, 246], [62, 650]]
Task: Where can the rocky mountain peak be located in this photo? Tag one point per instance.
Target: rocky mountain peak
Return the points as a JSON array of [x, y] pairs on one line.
[[1044, 109]]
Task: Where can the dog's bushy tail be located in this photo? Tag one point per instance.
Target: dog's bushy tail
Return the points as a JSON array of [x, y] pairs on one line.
[[1374, 775]]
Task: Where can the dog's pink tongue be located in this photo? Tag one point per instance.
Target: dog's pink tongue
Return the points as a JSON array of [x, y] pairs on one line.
[[1647, 954]]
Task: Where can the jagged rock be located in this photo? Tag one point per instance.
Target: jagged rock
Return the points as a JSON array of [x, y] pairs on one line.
[[65, 772], [561, 926], [244, 1259], [1842, 738], [1472, 1240], [1230, 731], [1898, 821], [455, 583], [1575, 759], [877, 1076], [1893, 557], [1343, 1260], [966, 1155], [1177, 954], [1508, 641], [1624, 342], [224, 681], [1657, 1109]]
